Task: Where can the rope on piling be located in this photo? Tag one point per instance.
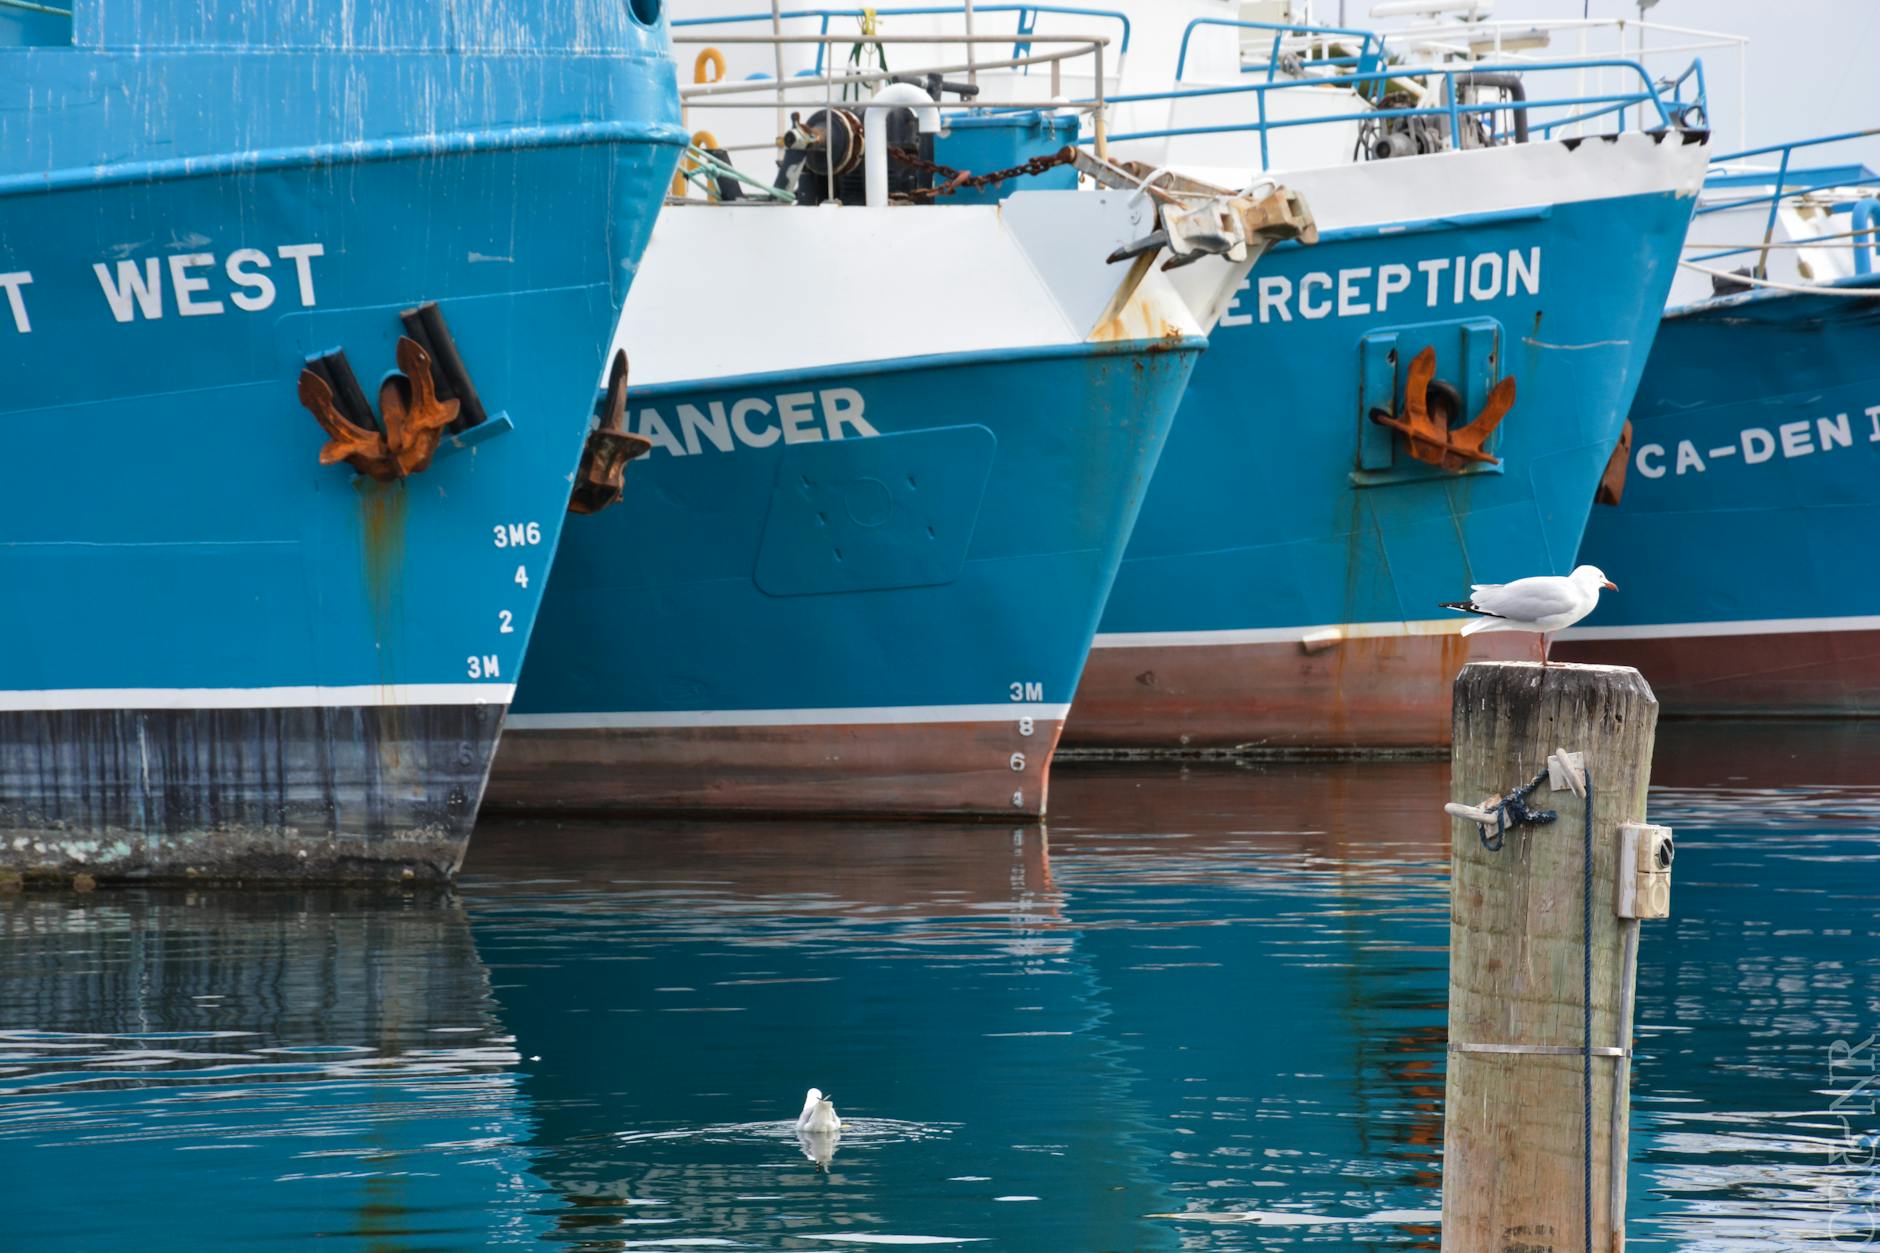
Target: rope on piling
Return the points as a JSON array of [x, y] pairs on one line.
[[1504, 813]]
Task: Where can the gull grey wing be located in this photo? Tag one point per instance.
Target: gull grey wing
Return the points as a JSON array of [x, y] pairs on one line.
[[1529, 600]]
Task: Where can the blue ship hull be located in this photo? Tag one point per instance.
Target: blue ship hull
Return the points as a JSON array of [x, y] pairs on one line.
[[889, 620], [1282, 586], [227, 659], [1755, 438]]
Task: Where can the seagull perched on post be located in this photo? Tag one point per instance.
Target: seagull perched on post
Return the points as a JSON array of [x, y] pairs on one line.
[[1545, 603]]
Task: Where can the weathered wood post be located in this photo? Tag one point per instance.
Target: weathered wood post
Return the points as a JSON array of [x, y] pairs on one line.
[[1516, 1108]]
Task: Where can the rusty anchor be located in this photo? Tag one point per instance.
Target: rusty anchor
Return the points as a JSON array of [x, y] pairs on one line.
[[1195, 219], [601, 477], [1430, 409], [430, 397], [414, 418], [1612, 479]]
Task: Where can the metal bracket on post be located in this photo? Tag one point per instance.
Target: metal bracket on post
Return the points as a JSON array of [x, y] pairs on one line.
[[1642, 886]]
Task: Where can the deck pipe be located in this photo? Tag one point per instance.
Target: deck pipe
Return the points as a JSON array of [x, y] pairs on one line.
[[875, 136]]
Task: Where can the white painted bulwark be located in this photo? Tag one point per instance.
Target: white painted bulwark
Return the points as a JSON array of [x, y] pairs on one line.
[[1400, 193], [889, 283]]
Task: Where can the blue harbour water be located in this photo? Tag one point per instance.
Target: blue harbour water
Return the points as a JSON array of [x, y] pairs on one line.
[[1204, 1011]]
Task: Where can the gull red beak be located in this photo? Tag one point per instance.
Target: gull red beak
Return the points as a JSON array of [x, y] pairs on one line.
[[1611, 584]]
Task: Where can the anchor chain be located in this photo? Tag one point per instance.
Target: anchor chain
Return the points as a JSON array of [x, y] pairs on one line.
[[958, 180]]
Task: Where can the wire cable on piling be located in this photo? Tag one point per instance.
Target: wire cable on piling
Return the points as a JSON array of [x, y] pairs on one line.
[[1586, 1019]]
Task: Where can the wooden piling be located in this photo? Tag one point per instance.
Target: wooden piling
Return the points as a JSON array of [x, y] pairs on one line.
[[1515, 1110]]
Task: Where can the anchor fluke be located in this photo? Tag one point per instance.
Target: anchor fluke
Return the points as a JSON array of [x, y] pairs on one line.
[[1429, 430], [601, 478]]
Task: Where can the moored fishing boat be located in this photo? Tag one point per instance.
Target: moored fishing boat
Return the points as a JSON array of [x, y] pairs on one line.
[[893, 455], [228, 654], [1752, 448], [1423, 401]]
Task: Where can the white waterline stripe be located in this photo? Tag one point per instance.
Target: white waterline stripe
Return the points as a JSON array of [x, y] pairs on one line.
[[1328, 634], [867, 715], [1748, 626], [369, 695]]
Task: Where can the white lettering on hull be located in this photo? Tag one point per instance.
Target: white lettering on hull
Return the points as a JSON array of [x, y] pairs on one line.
[[755, 422], [199, 285], [15, 301], [1756, 445], [134, 288], [1363, 290]]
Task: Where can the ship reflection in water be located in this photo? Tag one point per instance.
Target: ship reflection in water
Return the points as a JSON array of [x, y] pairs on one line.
[[1205, 1011]]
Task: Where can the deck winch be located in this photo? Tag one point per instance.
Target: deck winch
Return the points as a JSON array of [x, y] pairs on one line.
[[429, 397], [822, 154], [1429, 423]]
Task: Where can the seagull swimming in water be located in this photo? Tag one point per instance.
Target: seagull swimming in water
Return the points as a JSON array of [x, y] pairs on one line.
[[1545, 603], [819, 1114]]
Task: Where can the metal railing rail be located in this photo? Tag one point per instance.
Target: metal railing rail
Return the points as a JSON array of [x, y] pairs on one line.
[[1480, 39], [1288, 36], [1079, 46], [1782, 192], [1026, 22], [775, 93], [1492, 39], [1451, 109]]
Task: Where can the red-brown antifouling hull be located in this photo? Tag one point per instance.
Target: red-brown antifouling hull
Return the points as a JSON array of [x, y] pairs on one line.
[[1820, 673], [932, 769], [1373, 693]]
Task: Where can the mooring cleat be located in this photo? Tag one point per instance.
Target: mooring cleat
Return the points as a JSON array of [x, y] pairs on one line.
[[1428, 433], [601, 478]]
